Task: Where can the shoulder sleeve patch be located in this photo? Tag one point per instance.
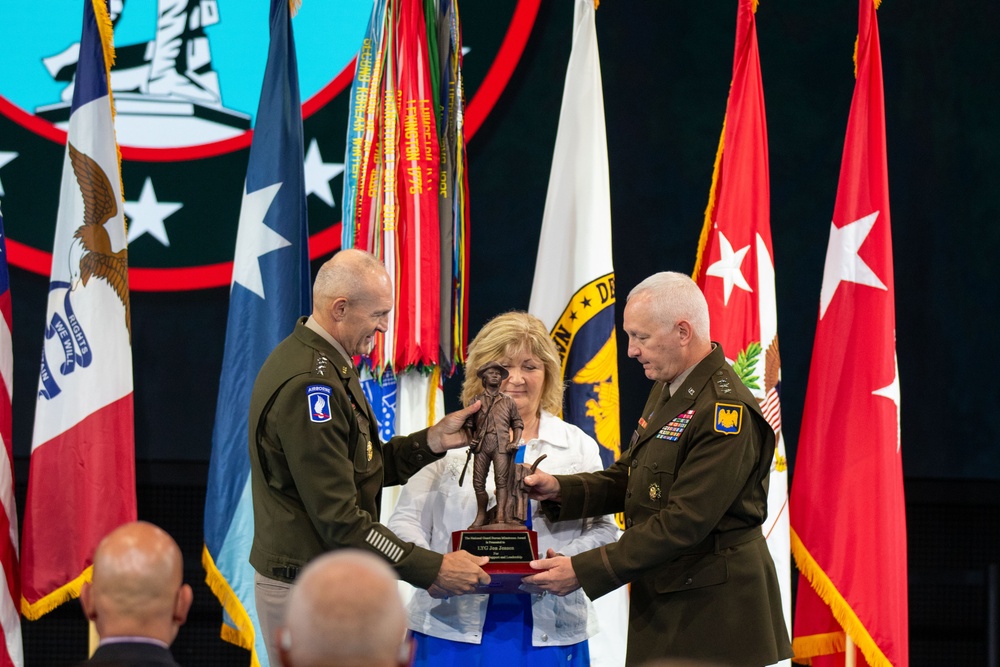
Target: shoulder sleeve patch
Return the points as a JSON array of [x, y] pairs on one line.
[[318, 399], [728, 418]]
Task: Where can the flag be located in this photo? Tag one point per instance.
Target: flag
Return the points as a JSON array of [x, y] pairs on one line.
[[270, 290], [573, 291], [10, 597], [406, 202], [847, 511], [735, 270], [81, 480]]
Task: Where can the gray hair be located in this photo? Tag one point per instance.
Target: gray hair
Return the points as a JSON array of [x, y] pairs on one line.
[[347, 274], [674, 296]]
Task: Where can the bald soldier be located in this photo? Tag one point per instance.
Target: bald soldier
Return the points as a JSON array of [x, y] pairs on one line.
[[345, 612], [317, 465], [136, 598]]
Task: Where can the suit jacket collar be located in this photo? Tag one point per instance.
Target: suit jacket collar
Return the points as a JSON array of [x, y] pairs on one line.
[[129, 652]]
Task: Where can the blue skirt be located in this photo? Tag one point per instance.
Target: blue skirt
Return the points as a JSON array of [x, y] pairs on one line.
[[506, 642]]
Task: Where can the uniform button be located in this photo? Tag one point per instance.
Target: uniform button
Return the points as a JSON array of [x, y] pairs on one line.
[[545, 637], [635, 464], [688, 581], [654, 465], [628, 494], [628, 522], [420, 457]]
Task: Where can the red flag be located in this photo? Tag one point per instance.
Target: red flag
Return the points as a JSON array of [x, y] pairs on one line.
[[11, 652], [81, 481], [847, 511], [419, 272], [735, 270]]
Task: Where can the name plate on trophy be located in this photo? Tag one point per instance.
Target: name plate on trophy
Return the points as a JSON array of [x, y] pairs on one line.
[[510, 552]]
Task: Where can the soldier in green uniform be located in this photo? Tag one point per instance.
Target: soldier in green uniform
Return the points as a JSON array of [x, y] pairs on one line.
[[693, 485], [317, 466]]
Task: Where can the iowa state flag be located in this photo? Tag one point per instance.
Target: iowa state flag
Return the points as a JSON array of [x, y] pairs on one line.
[[270, 290], [847, 511], [81, 480], [735, 270]]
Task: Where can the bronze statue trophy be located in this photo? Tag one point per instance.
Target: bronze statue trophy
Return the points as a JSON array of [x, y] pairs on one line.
[[498, 532]]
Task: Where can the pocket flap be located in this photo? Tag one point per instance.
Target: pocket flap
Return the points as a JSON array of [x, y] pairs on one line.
[[690, 573]]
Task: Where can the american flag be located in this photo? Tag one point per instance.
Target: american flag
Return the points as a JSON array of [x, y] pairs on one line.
[[10, 617]]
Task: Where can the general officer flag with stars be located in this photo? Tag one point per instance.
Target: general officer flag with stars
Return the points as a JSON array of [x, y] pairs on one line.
[[269, 291]]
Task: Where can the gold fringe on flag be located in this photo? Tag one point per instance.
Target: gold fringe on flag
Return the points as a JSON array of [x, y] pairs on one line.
[[107, 32], [706, 228], [432, 395], [243, 634], [65, 593], [829, 643], [293, 7]]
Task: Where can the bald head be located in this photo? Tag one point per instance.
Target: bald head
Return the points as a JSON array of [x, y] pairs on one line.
[[352, 298], [137, 586], [344, 611], [350, 274]]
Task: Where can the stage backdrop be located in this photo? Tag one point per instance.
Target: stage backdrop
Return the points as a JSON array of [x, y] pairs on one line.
[[666, 69]]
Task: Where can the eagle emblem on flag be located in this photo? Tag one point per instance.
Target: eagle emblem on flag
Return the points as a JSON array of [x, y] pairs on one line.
[[99, 206]]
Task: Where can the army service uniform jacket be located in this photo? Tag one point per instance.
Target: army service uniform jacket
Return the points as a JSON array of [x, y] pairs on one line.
[[693, 486], [317, 466]]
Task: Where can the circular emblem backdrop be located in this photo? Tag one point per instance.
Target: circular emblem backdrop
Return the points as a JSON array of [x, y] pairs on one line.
[[186, 81]]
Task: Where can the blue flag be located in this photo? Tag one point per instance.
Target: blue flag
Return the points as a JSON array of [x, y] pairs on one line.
[[269, 291]]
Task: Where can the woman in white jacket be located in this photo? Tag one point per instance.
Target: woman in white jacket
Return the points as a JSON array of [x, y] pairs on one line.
[[507, 630]]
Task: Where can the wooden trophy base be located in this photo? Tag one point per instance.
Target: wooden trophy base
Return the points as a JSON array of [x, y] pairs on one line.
[[510, 552]]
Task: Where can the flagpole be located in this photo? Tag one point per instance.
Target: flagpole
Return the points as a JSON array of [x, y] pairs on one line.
[[850, 655]]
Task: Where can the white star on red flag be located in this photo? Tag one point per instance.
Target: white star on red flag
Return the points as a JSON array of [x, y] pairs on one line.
[[728, 267], [843, 264]]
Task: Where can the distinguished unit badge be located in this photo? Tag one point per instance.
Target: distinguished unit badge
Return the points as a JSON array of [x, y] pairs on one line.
[[318, 397], [728, 418]]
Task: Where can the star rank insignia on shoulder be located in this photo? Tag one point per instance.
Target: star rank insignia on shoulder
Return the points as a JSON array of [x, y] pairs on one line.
[[321, 367], [728, 418], [723, 385]]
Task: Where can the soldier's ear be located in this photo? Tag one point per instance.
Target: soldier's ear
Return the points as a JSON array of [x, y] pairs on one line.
[[685, 330], [338, 308]]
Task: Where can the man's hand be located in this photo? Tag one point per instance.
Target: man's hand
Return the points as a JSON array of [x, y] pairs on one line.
[[460, 573], [448, 433], [542, 486], [556, 575]]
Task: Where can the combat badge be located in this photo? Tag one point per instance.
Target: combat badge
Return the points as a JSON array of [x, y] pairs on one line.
[[654, 491], [728, 418], [318, 398]]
